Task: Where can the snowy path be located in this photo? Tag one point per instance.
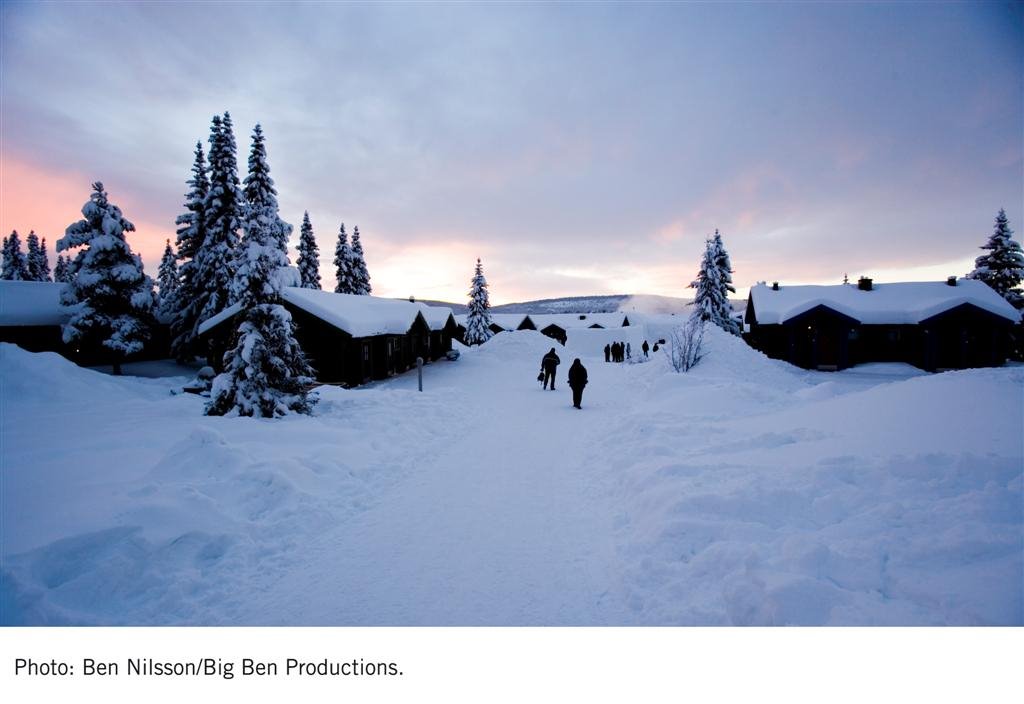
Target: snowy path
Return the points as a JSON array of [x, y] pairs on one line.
[[519, 534], [743, 492]]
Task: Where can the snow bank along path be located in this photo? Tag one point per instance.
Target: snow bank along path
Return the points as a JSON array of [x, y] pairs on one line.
[[745, 492]]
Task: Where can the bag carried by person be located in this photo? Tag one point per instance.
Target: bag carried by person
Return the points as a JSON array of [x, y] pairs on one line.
[[540, 377]]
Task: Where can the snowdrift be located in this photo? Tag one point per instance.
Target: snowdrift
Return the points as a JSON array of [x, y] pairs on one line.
[[743, 492]]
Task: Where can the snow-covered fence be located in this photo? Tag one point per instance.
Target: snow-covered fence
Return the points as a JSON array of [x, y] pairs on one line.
[[687, 343]]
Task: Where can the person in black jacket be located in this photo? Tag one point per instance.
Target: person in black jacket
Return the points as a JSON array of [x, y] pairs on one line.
[[549, 364], [577, 380], [645, 348], [607, 353]]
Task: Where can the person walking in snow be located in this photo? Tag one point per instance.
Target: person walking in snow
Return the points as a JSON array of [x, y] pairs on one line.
[[629, 351], [644, 347], [577, 380], [549, 364], [615, 351], [607, 353]]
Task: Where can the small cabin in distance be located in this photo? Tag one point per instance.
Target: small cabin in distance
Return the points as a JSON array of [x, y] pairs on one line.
[[955, 324]]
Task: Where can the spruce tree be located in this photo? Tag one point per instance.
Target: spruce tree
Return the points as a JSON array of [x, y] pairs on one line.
[[188, 300], [1002, 269], [43, 262], [36, 263], [222, 211], [478, 322], [60, 270], [167, 279], [309, 256], [711, 302], [258, 185], [360, 274], [15, 263], [111, 299], [343, 264], [265, 373]]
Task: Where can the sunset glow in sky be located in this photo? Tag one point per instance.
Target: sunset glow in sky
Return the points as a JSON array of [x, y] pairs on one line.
[[577, 149]]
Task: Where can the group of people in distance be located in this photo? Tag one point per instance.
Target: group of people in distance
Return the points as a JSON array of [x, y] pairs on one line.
[[620, 352], [577, 375]]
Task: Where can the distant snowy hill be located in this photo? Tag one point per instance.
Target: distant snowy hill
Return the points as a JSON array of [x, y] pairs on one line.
[[629, 303]]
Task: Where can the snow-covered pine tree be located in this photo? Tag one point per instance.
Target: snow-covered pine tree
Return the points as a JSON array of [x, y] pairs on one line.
[[258, 184], [222, 212], [309, 255], [43, 262], [189, 299], [1002, 269], [110, 297], [711, 301], [265, 373], [729, 324], [35, 261], [343, 264], [167, 279], [61, 271], [15, 263], [360, 274], [478, 322]]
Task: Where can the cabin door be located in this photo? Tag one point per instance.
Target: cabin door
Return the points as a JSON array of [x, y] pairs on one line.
[[828, 348]]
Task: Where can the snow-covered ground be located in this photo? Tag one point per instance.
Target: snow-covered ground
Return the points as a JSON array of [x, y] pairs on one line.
[[744, 492]]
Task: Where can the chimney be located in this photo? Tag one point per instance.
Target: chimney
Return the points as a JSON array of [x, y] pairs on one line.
[[951, 281], [412, 299], [775, 285], [864, 283]]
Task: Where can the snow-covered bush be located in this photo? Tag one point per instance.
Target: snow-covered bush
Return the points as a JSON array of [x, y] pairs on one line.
[[686, 344]]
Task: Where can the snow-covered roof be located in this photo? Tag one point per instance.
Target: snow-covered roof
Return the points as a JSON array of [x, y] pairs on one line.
[[569, 321], [886, 304], [436, 316], [359, 316], [506, 321], [31, 303]]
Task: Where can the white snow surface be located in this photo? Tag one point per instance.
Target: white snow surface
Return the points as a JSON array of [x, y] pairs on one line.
[[31, 303], [744, 492], [886, 304]]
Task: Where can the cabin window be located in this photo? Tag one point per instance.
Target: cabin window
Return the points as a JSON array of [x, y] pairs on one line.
[[366, 353], [852, 335]]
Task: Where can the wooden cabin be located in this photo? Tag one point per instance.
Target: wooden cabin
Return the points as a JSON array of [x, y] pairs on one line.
[[351, 339], [557, 326], [32, 317], [500, 322], [955, 324]]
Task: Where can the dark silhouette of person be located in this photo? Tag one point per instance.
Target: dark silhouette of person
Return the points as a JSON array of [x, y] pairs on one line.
[[629, 351], [607, 353], [645, 347], [577, 380], [615, 351], [549, 364]]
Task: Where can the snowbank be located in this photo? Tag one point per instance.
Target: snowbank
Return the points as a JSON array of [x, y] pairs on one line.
[[743, 492]]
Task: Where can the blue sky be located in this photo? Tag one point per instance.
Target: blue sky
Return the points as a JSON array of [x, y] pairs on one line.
[[578, 149]]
